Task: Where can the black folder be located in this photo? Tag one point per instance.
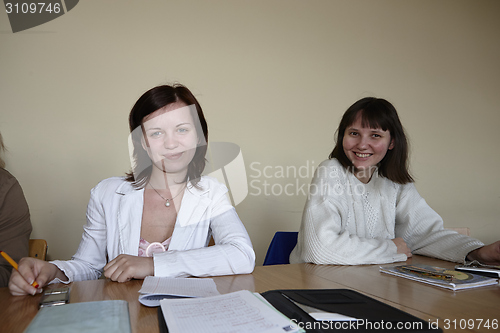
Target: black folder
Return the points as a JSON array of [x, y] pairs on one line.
[[372, 315]]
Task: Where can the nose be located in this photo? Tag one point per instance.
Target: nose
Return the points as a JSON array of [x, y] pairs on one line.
[[363, 143], [170, 141]]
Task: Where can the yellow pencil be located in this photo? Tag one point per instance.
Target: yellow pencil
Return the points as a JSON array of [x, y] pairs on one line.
[[14, 264]]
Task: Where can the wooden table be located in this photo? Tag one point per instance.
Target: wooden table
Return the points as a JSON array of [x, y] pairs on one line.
[[451, 310]]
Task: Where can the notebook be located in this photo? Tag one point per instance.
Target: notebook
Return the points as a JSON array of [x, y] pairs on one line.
[[95, 317]]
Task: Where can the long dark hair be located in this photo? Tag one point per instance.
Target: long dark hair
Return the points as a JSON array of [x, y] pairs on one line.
[[151, 101], [377, 113]]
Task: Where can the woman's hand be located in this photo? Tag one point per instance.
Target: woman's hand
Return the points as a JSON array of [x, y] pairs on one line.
[[29, 270], [126, 267], [402, 247], [488, 254]]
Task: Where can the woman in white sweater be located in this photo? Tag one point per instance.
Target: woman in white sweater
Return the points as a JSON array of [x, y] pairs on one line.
[[363, 207], [159, 219]]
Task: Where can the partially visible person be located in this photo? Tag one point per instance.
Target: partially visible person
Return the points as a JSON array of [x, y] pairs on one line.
[[15, 223], [363, 207], [159, 219]]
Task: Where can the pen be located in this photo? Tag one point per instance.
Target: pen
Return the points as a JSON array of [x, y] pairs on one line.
[[14, 264], [426, 272]]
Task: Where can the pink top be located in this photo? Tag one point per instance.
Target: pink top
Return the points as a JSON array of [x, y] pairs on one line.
[[147, 249]]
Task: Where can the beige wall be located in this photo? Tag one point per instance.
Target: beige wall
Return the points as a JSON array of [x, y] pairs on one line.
[[274, 77]]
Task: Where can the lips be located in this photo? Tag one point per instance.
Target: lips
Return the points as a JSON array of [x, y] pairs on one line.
[[360, 155], [173, 156]]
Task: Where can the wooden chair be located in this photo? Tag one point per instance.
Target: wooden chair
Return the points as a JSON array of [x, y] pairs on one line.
[[38, 248], [463, 231]]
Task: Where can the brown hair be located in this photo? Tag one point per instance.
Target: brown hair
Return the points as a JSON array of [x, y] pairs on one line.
[[151, 101], [377, 113], [2, 149]]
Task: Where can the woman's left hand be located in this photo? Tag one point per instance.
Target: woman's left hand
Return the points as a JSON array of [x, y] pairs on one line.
[[126, 267], [488, 254]]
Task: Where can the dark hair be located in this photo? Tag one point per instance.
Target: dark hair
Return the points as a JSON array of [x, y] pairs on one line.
[[2, 149], [377, 113], [151, 101]]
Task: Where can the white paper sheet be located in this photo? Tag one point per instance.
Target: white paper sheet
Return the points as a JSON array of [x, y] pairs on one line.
[[237, 312], [156, 288]]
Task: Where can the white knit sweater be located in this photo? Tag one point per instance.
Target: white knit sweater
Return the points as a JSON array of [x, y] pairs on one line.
[[346, 222]]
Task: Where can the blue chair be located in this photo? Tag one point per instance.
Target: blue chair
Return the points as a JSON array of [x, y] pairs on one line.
[[280, 248]]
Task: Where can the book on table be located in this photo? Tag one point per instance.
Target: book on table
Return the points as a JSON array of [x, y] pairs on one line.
[[99, 316], [438, 276]]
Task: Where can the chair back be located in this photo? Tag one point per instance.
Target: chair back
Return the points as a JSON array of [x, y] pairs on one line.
[[280, 248], [38, 248]]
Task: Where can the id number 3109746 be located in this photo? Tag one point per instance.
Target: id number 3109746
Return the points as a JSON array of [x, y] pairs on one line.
[[32, 8], [462, 324]]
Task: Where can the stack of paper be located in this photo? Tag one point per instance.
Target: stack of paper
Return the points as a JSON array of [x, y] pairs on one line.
[[155, 289], [237, 312], [438, 276]]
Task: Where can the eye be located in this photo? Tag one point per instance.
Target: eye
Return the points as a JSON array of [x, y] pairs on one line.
[[182, 130], [155, 134], [353, 133], [377, 136]]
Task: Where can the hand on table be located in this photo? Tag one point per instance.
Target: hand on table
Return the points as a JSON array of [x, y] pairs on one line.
[[29, 270], [488, 254], [126, 267], [402, 247]]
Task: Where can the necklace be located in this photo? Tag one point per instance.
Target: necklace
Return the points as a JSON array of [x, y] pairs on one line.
[[167, 201]]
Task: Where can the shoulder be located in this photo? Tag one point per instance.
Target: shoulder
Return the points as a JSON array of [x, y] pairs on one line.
[[4, 174], [331, 170], [407, 190], [331, 163], [6, 177], [208, 186], [113, 185], [7, 182]]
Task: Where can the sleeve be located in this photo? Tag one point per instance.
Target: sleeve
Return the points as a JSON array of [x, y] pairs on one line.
[[232, 253], [422, 229], [15, 226], [90, 258], [323, 236]]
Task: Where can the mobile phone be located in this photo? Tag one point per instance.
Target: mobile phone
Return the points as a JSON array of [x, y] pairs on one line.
[[53, 297]]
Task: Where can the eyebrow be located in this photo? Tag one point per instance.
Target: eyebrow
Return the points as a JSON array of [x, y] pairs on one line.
[[159, 128], [371, 129]]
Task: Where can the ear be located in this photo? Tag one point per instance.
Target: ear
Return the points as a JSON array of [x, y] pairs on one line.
[[391, 145]]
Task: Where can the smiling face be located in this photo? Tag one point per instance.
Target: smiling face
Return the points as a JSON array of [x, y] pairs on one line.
[[365, 147], [170, 139]]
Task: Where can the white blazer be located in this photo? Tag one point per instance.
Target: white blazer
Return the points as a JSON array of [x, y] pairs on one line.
[[114, 216]]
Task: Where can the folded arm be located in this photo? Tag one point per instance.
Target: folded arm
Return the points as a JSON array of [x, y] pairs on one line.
[[232, 253]]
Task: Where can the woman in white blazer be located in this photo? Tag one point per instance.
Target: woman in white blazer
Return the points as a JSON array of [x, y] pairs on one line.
[[158, 220]]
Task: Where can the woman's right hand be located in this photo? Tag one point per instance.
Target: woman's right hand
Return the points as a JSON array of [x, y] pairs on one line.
[[29, 270], [402, 247]]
